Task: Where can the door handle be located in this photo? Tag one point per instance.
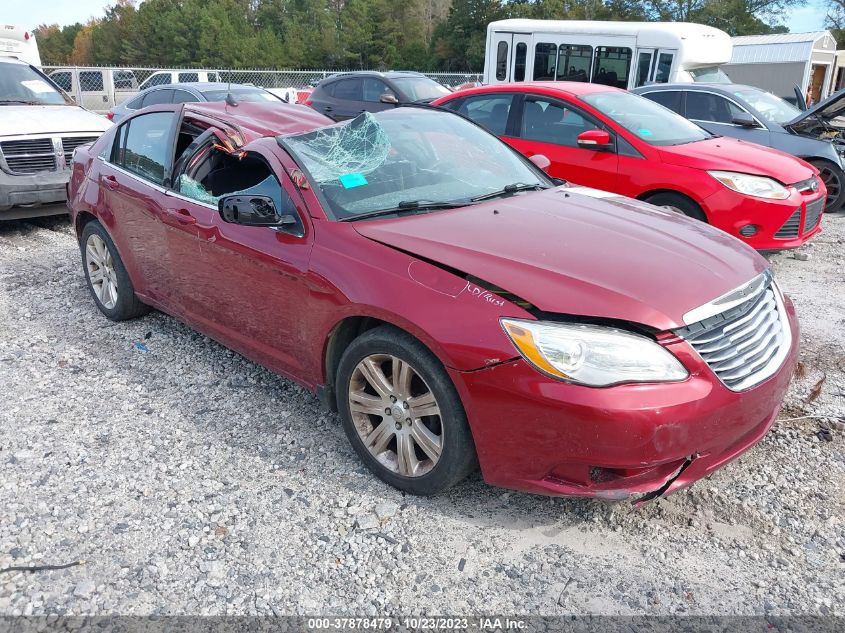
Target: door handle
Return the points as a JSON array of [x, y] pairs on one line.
[[111, 182], [181, 216], [327, 109]]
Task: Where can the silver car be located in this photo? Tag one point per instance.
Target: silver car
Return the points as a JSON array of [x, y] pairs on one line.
[[758, 116], [191, 93]]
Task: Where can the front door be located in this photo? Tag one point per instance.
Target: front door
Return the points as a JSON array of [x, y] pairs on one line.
[[243, 285], [645, 66], [501, 67], [551, 127]]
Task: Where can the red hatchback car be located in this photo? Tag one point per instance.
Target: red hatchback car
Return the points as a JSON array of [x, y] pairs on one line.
[[603, 137], [437, 289]]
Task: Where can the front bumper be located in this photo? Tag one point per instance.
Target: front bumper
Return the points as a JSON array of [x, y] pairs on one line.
[[46, 188], [536, 434], [731, 211]]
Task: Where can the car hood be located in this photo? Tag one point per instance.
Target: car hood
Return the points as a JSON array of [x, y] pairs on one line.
[[730, 154], [28, 119], [573, 250], [826, 109]]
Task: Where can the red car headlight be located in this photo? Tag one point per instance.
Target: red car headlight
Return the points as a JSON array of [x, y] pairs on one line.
[[592, 355]]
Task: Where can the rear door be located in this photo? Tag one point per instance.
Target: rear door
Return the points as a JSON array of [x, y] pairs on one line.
[[347, 100], [133, 183], [492, 111], [549, 126]]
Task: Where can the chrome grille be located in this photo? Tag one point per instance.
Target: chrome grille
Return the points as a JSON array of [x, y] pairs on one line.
[[70, 143], [747, 343], [791, 227], [813, 214], [29, 156], [807, 186]]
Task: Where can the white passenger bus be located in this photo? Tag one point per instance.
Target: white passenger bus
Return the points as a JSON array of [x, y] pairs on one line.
[[621, 54], [19, 43]]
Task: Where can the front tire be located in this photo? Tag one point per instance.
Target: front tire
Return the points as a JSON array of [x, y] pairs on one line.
[[402, 413], [834, 180], [107, 278], [678, 203]]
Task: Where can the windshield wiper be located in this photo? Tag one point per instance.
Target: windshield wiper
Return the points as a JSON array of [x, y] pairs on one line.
[[509, 189], [407, 206], [18, 101]]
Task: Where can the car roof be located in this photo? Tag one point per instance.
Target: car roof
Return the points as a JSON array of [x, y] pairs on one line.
[[12, 60], [202, 86], [388, 74], [259, 119], [698, 85], [572, 88]]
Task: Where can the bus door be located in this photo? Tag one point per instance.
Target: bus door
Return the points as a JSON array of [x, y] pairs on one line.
[[510, 56], [653, 66], [519, 66]]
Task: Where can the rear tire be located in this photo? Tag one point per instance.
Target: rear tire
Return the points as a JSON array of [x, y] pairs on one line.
[[834, 179], [678, 203], [402, 414], [107, 278]]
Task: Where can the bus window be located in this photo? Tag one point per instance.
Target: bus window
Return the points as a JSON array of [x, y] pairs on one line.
[[519, 62], [612, 66], [502, 61], [573, 62], [664, 67], [545, 61]]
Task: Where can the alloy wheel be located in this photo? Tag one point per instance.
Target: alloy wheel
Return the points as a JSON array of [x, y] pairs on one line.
[[101, 271], [396, 415], [832, 183]]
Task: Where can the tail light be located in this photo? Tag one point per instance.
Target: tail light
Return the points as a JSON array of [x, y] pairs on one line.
[[26, 36], [110, 115], [308, 102]]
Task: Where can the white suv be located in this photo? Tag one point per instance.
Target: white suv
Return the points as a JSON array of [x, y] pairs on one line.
[[39, 130]]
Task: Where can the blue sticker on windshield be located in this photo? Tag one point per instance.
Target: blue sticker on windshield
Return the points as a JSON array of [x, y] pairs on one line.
[[644, 132], [352, 180]]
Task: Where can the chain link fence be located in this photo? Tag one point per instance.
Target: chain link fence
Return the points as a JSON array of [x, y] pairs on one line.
[[99, 88]]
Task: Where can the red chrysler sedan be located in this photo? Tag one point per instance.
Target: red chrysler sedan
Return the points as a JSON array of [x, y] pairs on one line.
[[603, 137], [435, 288]]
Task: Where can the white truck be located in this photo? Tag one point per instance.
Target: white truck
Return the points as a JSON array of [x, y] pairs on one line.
[[40, 127]]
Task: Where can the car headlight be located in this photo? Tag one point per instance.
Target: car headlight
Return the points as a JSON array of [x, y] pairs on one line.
[[757, 186], [592, 355]]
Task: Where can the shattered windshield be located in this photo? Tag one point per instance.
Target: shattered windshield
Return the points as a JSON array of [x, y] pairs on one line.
[[408, 155]]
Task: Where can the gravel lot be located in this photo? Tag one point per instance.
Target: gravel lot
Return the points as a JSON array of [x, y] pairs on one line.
[[192, 481]]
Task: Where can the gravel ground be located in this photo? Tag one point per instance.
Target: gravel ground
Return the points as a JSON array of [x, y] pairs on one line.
[[192, 481]]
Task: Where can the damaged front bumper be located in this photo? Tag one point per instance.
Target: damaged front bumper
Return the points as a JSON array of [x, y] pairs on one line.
[[634, 441]]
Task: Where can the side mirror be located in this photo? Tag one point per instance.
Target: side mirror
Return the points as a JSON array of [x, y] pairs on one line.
[[253, 210], [595, 139], [388, 98], [743, 119], [541, 161]]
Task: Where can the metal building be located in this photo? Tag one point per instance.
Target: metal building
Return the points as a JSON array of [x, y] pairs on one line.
[[780, 62]]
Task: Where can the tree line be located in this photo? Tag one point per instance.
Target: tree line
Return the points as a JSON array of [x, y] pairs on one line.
[[444, 35]]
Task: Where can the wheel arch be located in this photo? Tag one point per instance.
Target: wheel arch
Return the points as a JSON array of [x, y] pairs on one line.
[[83, 218], [346, 330], [653, 192]]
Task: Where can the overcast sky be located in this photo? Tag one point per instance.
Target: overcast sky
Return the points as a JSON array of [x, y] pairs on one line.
[[31, 13]]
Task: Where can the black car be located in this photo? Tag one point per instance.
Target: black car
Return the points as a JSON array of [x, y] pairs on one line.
[[345, 96], [758, 116]]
